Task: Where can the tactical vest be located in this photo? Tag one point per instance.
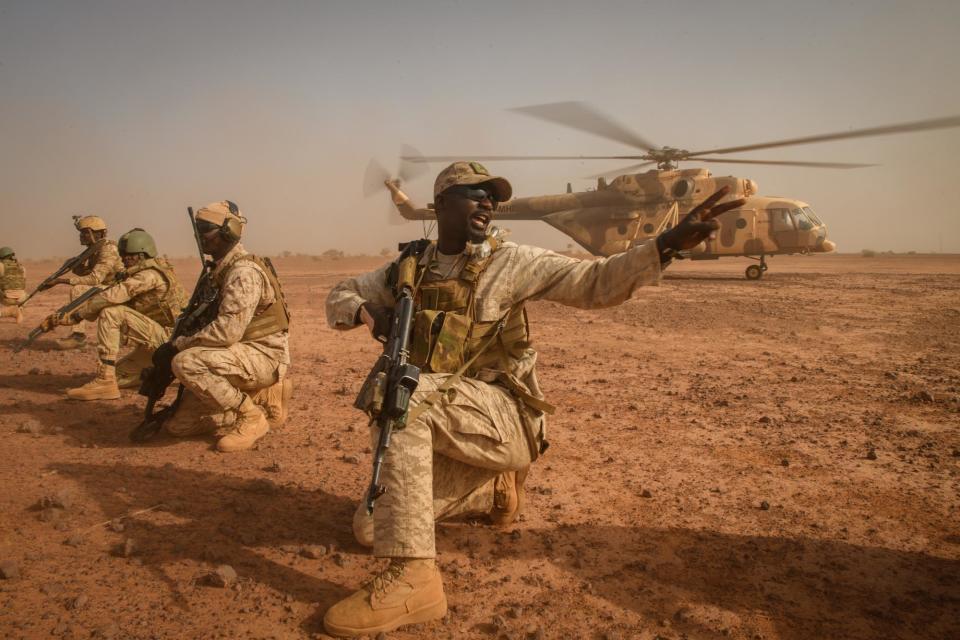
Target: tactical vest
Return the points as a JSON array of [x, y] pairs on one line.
[[271, 319], [164, 306], [446, 332], [85, 268], [13, 275]]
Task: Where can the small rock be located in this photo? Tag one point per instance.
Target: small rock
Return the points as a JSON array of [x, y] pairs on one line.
[[339, 560], [350, 459], [515, 535], [764, 419], [683, 614], [9, 569], [79, 602], [646, 494], [515, 612], [223, 577], [116, 525], [30, 426], [956, 453], [75, 540], [785, 463], [63, 499], [313, 551], [923, 396], [276, 467], [764, 506], [871, 454]]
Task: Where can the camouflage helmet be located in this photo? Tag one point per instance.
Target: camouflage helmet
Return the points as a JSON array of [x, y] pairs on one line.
[[94, 223], [5, 252], [137, 241]]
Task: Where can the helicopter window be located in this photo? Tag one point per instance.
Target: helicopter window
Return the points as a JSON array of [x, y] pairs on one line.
[[803, 223], [741, 223], [781, 220], [813, 217], [681, 188], [648, 228]]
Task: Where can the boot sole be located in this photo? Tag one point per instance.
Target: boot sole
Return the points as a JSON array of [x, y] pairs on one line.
[[427, 613], [85, 398]]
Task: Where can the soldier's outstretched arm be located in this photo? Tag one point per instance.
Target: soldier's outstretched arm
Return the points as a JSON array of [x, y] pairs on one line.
[[344, 300], [108, 264]]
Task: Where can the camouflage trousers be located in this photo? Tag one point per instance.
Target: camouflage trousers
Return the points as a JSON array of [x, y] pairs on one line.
[[443, 464], [119, 326], [216, 379]]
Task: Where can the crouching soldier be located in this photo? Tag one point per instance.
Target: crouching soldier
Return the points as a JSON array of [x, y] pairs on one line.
[[139, 309], [96, 270], [236, 364], [13, 284]]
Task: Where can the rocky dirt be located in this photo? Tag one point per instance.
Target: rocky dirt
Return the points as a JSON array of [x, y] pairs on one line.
[[730, 459]]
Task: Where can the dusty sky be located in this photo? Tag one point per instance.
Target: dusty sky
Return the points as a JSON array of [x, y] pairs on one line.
[[133, 110]]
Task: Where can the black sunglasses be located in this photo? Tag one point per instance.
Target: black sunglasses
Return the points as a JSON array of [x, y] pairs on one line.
[[477, 194], [205, 226]]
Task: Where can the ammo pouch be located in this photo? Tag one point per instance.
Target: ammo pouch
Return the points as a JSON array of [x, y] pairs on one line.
[[439, 340]]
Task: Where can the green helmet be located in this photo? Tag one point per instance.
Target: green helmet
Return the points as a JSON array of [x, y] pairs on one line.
[[5, 252], [137, 241]]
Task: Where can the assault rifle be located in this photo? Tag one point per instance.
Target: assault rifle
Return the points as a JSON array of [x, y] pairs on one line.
[[68, 265], [386, 392], [200, 311], [65, 309]]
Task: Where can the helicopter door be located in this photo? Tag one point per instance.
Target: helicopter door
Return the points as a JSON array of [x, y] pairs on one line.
[[784, 229]]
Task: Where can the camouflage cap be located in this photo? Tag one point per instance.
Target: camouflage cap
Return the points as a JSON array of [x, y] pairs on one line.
[[217, 212], [94, 223], [471, 173]]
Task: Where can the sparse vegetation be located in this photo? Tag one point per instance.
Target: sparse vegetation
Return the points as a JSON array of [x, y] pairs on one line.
[[332, 254], [868, 253]]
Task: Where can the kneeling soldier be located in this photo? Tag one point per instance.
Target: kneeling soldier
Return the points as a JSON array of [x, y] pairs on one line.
[[13, 285], [241, 356], [139, 308]]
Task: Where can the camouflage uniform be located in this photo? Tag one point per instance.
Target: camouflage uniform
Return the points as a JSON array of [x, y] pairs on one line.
[[229, 358], [96, 270], [444, 462], [13, 282], [13, 285], [139, 310]]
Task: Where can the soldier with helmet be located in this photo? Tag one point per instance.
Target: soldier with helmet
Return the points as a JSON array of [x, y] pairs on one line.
[[13, 285], [234, 368], [476, 420], [139, 309], [96, 270]]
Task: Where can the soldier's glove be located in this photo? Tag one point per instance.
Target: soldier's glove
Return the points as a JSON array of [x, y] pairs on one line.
[[68, 319], [162, 359], [377, 319], [50, 322], [696, 226]]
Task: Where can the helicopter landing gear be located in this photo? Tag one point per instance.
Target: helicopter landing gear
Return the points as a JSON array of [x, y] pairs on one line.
[[756, 271]]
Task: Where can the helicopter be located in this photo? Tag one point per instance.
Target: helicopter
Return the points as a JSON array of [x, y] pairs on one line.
[[635, 207]]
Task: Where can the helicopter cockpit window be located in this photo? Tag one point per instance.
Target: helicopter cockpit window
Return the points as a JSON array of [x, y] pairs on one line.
[[813, 217], [782, 221], [803, 223]]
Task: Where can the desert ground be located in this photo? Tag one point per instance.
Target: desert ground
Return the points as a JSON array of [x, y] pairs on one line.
[[730, 459]]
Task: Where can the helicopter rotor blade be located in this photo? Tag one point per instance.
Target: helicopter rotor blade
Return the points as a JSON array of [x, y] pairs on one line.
[[788, 163], [584, 117], [425, 159], [373, 178], [619, 172], [411, 164], [919, 125]]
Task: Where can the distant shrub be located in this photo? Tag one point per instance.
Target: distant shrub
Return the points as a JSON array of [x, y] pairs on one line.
[[868, 253], [286, 254], [911, 253], [385, 252], [332, 254]]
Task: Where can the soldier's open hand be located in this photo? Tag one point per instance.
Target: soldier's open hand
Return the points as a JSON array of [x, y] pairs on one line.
[[699, 224]]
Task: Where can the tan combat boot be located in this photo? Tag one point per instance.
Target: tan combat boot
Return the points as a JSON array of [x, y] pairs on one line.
[[250, 426], [275, 401], [508, 496], [103, 387], [73, 341], [407, 592]]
